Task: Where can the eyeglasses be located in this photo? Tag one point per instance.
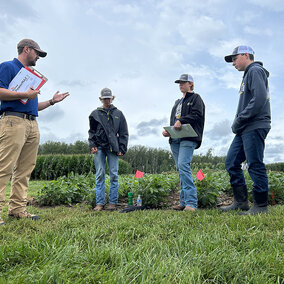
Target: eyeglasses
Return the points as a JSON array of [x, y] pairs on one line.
[[37, 53]]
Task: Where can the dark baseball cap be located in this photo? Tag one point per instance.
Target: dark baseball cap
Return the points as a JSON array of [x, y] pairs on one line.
[[31, 43], [106, 93], [184, 78], [239, 50]]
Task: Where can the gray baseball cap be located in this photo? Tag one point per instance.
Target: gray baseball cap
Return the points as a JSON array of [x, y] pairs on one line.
[[106, 93], [31, 43], [184, 78], [239, 50]]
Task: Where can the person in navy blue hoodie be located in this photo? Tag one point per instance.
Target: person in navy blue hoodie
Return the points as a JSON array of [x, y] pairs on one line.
[[251, 126]]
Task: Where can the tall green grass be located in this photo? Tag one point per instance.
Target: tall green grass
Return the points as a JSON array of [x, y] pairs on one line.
[[77, 245]]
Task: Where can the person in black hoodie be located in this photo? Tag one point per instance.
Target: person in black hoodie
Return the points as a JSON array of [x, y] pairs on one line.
[[190, 109], [108, 138], [251, 126]]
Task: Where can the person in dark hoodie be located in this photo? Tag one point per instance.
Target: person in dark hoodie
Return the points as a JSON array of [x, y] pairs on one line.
[[108, 139], [190, 109], [251, 126]]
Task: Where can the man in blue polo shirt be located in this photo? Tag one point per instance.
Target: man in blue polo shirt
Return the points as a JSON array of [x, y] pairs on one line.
[[19, 135]]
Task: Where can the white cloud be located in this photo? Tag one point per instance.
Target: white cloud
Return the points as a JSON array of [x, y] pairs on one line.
[[231, 79], [273, 5], [256, 31], [138, 49]]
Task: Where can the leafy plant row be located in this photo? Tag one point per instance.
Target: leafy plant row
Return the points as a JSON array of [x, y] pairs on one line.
[[78, 188], [154, 188], [50, 167]]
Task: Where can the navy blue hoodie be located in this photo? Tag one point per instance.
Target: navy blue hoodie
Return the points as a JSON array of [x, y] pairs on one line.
[[254, 103]]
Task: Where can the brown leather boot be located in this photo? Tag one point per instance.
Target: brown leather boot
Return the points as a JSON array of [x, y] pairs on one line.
[[110, 207], [99, 207], [178, 207], [188, 208], [23, 215]]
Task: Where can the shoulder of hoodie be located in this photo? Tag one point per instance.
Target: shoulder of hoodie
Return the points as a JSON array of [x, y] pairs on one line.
[[257, 66], [196, 96]]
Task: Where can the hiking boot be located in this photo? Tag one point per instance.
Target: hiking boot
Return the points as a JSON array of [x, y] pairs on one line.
[[260, 202], [110, 207], [188, 208], [178, 207], [99, 207], [240, 200], [23, 215]]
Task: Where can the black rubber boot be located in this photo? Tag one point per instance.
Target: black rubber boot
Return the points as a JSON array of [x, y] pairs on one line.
[[260, 202], [240, 200]]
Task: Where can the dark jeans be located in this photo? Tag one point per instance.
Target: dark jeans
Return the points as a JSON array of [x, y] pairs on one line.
[[248, 146]]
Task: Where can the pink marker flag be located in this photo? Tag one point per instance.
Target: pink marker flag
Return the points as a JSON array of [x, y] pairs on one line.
[[200, 175], [139, 174]]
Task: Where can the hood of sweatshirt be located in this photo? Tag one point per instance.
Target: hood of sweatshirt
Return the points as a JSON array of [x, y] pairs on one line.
[[257, 64], [112, 107]]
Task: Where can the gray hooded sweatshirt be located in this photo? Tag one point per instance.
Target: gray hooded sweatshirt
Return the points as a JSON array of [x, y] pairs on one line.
[[254, 103]]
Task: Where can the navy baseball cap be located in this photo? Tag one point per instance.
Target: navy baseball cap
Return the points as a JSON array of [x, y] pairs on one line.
[[184, 78], [239, 50]]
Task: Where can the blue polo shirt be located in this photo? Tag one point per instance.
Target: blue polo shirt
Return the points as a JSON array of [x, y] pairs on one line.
[[8, 70]]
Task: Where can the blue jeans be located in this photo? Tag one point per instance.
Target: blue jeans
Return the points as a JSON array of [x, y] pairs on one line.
[[183, 152], [248, 146], [100, 161]]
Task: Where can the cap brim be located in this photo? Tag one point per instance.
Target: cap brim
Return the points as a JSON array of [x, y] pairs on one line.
[[228, 58], [106, 97], [178, 81], [41, 53]]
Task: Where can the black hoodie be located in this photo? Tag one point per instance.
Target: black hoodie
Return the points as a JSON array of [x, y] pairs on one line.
[[192, 112], [254, 103], [108, 130]]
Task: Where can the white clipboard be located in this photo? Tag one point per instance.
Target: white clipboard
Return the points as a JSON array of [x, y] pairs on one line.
[[186, 131], [27, 77]]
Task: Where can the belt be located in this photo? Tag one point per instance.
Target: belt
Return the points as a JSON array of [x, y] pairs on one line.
[[19, 114]]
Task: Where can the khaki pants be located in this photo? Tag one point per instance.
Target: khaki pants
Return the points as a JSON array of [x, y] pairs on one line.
[[19, 139]]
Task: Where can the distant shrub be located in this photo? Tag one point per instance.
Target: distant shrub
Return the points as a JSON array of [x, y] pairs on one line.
[[279, 167], [50, 167]]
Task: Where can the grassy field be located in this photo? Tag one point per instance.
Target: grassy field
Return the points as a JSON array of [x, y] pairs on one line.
[[77, 245]]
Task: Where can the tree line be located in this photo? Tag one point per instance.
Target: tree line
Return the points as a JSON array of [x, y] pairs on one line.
[[146, 159]]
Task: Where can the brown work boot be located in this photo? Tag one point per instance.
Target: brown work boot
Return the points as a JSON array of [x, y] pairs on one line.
[[110, 207], [23, 215], [99, 207], [188, 208], [178, 207]]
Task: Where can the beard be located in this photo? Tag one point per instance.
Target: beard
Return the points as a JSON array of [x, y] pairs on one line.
[[32, 63], [31, 60]]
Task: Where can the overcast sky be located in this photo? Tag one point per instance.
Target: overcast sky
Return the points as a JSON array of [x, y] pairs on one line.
[[138, 49]]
